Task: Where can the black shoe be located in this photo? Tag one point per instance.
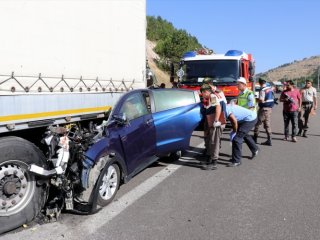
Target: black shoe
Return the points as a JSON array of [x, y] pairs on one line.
[[305, 135], [255, 138], [204, 153], [267, 143], [209, 164], [234, 164], [254, 154], [209, 167]]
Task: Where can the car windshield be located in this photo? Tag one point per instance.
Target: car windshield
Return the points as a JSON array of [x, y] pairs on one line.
[[221, 71]]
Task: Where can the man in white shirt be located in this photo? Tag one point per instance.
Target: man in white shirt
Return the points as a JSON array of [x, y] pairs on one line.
[[309, 104]]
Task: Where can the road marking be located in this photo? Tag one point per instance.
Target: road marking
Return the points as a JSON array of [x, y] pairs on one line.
[[90, 224], [116, 207]]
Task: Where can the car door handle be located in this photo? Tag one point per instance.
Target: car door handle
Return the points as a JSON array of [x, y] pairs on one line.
[[124, 138], [148, 122]]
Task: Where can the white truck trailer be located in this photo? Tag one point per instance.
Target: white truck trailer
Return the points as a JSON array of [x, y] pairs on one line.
[[62, 63]]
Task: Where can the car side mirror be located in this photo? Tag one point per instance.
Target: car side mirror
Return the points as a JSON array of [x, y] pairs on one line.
[[120, 118]]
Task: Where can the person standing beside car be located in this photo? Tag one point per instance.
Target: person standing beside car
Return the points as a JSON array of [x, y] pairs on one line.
[[291, 99], [213, 127], [265, 103], [309, 103], [215, 90]]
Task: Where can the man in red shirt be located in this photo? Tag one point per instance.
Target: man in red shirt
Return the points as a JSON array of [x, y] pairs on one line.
[[291, 99]]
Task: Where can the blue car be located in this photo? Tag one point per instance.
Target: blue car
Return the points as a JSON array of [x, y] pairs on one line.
[[86, 162], [143, 126]]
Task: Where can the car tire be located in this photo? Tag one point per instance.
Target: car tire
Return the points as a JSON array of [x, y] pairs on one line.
[[108, 183], [175, 156], [21, 199]]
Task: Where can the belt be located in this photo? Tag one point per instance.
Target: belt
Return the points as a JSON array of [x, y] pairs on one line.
[[307, 102]]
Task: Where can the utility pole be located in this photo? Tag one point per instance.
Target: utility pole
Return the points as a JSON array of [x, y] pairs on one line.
[[318, 77]]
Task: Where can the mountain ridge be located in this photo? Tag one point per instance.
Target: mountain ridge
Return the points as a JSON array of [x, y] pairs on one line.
[[298, 70]]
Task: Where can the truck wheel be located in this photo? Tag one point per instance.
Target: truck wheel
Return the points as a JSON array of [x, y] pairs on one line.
[[20, 197], [108, 184]]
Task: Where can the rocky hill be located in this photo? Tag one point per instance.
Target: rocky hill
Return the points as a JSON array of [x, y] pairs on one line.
[[152, 57], [305, 68]]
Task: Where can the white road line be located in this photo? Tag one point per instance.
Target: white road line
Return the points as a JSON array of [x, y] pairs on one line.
[[87, 225], [116, 207]]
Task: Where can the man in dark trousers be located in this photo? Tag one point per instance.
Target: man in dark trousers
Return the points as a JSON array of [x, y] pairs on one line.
[[309, 105], [242, 121], [291, 99]]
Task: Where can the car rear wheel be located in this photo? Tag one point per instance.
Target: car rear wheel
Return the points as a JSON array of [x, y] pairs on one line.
[[175, 156]]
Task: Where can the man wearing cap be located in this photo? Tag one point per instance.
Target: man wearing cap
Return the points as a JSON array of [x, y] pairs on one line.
[[309, 103], [215, 90], [265, 102], [213, 128], [246, 97]]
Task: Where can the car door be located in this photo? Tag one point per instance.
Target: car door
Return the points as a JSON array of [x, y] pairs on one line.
[[177, 114], [137, 136]]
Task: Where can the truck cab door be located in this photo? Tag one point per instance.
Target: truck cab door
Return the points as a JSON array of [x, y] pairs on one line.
[[137, 136]]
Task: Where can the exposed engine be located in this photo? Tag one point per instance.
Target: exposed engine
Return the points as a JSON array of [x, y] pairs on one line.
[[65, 155]]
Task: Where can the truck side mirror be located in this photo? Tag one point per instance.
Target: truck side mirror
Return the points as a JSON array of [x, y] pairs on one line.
[[251, 68]]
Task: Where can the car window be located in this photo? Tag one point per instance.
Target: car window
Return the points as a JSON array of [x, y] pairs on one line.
[[134, 106], [168, 99]]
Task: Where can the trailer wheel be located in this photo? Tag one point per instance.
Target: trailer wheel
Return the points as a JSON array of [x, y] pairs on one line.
[[21, 198], [108, 184]]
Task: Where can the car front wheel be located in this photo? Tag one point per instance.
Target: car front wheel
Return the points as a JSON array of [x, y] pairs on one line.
[[108, 184]]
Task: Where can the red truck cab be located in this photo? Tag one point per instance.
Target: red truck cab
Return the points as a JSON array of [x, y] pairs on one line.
[[222, 69]]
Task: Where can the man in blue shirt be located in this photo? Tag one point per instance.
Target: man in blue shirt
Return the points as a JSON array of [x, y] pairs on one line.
[[242, 121]]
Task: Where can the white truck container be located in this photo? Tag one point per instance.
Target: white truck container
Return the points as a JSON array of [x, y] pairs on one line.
[[63, 60], [64, 64]]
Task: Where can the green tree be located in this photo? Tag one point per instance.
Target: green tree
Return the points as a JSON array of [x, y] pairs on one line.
[[171, 42]]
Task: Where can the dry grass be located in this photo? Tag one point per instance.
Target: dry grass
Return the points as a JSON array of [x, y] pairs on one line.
[[161, 76], [298, 69]]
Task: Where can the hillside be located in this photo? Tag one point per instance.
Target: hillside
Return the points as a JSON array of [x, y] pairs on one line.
[[165, 46], [160, 75], [297, 70]]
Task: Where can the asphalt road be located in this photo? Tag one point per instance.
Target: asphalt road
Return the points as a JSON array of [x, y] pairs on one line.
[[275, 196]]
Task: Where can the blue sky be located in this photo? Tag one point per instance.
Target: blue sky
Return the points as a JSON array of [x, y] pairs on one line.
[[274, 31]]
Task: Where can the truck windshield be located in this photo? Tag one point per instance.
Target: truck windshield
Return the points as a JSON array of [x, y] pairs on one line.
[[221, 71]]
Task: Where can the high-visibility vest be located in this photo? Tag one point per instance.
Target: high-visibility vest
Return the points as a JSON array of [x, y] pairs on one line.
[[243, 100]]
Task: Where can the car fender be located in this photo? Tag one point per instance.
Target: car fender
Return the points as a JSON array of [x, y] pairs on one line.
[[95, 160]]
